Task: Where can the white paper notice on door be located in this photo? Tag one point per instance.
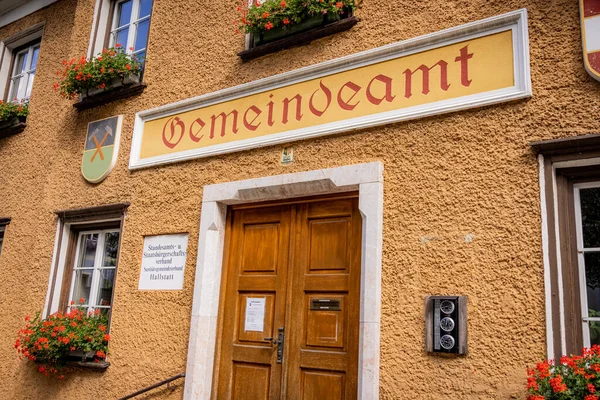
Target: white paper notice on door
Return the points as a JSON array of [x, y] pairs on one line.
[[255, 314]]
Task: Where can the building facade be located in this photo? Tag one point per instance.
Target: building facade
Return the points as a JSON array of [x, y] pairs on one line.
[[408, 150]]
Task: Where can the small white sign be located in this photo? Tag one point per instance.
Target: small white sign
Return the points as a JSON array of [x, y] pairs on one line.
[[255, 314], [163, 262], [287, 155]]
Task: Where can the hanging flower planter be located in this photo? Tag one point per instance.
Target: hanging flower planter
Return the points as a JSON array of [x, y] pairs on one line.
[[278, 24], [276, 34], [114, 84], [111, 75], [13, 117], [75, 338]]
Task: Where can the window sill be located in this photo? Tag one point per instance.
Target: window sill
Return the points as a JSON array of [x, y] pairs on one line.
[[118, 90], [299, 38], [12, 127]]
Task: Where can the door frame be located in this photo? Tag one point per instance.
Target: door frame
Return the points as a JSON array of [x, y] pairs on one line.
[[365, 178]]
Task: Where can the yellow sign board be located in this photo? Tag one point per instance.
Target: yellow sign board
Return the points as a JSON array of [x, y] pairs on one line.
[[380, 92]]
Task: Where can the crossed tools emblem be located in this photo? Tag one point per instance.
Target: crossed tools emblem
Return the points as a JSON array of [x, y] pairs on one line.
[[93, 136]]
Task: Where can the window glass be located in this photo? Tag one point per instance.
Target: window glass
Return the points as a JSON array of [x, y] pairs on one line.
[[21, 82], [16, 86], [145, 8], [111, 249], [121, 37], [36, 53], [590, 216], [105, 289], [21, 63], [124, 12], [131, 26], [589, 258], [88, 251], [141, 56], [94, 273], [82, 286], [141, 35], [592, 277], [29, 84]]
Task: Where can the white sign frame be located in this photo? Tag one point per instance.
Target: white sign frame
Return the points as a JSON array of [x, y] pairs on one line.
[[179, 242], [515, 21]]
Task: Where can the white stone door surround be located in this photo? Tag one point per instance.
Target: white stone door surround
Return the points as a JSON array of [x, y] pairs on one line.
[[365, 178]]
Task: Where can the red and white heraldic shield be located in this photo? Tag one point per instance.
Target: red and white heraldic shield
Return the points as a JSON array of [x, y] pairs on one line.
[[590, 34]]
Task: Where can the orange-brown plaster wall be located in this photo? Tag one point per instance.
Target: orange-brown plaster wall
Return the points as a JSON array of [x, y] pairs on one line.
[[461, 195]]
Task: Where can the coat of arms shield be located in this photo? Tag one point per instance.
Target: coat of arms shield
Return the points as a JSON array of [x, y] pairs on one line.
[[101, 148], [589, 11]]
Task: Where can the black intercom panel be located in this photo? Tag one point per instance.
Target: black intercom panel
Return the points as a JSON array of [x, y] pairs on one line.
[[446, 327]]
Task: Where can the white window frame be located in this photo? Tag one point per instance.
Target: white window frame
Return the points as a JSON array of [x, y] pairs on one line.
[[7, 52], [104, 24], [581, 250], [21, 94], [59, 261], [134, 22], [98, 258]]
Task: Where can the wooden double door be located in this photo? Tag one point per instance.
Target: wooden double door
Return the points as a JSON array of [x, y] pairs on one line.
[[289, 310]]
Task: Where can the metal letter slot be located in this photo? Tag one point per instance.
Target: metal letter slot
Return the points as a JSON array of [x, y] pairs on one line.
[[279, 343], [326, 304]]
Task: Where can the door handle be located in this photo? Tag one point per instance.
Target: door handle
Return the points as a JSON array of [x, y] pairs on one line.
[[279, 343]]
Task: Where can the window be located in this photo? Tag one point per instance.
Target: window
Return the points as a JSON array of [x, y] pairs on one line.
[[570, 199], [23, 72], [130, 26], [124, 22], [93, 275], [587, 218], [19, 56], [86, 258]]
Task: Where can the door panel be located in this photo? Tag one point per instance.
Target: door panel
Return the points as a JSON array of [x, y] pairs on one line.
[[318, 385], [325, 327], [328, 245], [301, 263], [246, 335], [323, 362], [257, 268], [251, 381]]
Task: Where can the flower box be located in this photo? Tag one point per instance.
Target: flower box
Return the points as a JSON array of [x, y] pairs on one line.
[[12, 126], [82, 359], [115, 84], [81, 355], [280, 33], [111, 75], [297, 38], [117, 89], [72, 339], [279, 24]]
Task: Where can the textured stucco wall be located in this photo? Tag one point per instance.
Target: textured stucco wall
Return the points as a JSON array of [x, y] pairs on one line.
[[462, 213]]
